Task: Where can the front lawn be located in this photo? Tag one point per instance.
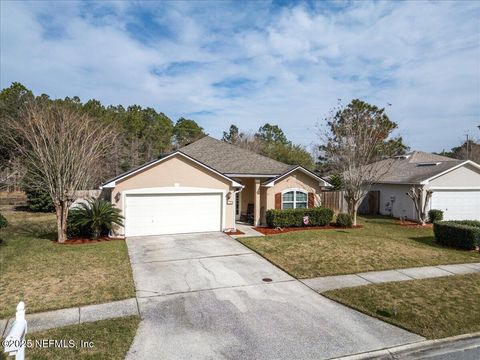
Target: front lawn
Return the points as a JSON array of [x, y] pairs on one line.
[[50, 276], [380, 245], [433, 308], [111, 339]]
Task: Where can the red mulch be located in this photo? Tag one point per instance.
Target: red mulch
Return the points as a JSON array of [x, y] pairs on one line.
[[408, 223], [236, 232], [80, 241], [271, 231]]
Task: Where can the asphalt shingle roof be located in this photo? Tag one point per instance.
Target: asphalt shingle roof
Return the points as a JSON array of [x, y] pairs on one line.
[[415, 167], [230, 159]]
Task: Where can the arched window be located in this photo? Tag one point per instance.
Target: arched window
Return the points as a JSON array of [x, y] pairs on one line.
[[294, 199]]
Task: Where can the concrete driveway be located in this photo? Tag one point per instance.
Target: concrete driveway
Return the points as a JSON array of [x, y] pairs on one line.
[[203, 296]]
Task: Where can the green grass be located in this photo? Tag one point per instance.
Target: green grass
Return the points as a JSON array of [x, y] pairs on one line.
[[433, 308], [380, 245], [50, 276], [111, 340]]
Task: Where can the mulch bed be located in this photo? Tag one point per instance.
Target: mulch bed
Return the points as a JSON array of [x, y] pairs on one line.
[[272, 231], [408, 223], [237, 232], [80, 241]]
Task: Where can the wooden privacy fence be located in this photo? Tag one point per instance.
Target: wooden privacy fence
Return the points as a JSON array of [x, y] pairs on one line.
[[335, 200], [12, 198]]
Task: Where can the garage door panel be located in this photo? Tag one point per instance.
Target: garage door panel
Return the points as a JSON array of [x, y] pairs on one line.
[[457, 205], [155, 214]]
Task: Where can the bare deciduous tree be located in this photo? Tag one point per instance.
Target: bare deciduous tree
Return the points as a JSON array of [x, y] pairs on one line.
[[420, 196], [62, 152], [357, 136]]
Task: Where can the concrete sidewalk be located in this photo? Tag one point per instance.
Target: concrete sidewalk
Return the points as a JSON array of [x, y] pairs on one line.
[[248, 231], [76, 315], [325, 283]]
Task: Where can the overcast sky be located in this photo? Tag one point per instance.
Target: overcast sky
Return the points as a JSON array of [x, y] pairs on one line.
[[249, 63]]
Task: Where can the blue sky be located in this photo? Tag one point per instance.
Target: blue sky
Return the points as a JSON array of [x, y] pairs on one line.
[[254, 62]]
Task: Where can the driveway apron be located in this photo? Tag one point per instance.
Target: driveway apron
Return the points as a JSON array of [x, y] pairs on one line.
[[206, 296]]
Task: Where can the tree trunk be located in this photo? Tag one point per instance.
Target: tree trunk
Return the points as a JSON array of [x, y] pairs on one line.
[[354, 213], [352, 209], [64, 220], [61, 210]]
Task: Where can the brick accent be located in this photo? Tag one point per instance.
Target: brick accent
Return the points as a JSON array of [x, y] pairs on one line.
[[278, 200], [311, 200]]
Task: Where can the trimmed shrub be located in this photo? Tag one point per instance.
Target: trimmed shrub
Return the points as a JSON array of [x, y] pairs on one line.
[[94, 218], [3, 221], [435, 215], [74, 229], [464, 234], [344, 220], [317, 216], [39, 201], [3, 224]]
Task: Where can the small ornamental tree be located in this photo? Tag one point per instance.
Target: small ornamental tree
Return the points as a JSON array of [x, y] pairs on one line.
[[62, 151], [356, 138], [420, 197]]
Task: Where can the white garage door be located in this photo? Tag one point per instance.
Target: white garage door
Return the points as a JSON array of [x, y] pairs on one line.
[[155, 214], [457, 205]]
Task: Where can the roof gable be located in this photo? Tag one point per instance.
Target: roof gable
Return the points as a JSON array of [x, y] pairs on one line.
[[415, 167], [272, 182], [466, 173], [112, 182]]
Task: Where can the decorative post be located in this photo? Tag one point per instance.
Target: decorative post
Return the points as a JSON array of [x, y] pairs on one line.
[[15, 340]]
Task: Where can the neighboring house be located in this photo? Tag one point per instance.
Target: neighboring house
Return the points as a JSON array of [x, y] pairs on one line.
[[207, 186], [455, 185]]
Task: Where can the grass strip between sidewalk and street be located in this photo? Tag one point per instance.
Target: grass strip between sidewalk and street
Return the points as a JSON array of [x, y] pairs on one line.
[[106, 339], [434, 308]]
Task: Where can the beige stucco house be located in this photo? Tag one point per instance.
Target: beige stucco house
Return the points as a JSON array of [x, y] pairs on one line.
[[208, 186]]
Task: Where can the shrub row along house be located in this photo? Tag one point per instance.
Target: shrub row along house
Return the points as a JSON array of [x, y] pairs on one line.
[[207, 186]]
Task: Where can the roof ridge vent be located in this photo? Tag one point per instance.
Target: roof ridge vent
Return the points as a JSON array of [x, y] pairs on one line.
[[430, 163], [402, 157]]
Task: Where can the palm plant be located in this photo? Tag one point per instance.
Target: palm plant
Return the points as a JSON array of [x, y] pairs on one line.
[[96, 215]]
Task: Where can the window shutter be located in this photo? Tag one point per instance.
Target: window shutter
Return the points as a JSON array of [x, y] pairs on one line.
[[278, 200], [311, 200]]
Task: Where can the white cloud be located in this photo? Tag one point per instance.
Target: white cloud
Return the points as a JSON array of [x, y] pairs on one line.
[[422, 57]]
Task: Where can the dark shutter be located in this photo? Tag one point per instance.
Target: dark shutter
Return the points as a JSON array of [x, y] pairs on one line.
[[278, 200], [311, 200]]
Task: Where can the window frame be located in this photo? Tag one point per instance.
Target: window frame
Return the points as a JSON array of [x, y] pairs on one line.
[[294, 201]]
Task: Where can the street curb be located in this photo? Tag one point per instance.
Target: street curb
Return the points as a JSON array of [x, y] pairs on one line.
[[75, 315], [412, 351]]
